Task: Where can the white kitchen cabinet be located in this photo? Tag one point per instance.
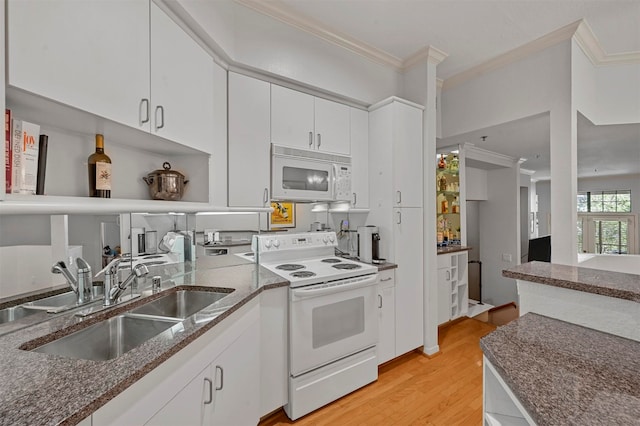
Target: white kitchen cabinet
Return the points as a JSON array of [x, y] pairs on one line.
[[360, 158], [249, 148], [92, 55], [305, 121], [400, 227], [236, 381], [191, 406], [386, 317], [453, 286], [408, 249], [407, 155], [124, 61]]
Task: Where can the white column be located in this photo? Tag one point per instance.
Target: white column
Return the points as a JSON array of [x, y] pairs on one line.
[[420, 86]]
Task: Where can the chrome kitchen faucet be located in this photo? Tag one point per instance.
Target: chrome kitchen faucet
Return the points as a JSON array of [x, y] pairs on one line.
[[81, 285]]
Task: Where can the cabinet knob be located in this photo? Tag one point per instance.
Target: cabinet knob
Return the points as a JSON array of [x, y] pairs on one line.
[[319, 140], [399, 218], [265, 196], [310, 139], [380, 301], [399, 196], [355, 199]]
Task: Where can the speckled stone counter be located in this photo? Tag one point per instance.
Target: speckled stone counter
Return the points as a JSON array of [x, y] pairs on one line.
[[40, 388], [567, 374], [385, 266], [596, 281], [452, 249]]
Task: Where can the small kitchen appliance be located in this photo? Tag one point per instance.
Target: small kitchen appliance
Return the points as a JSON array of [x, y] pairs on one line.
[[368, 243], [333, 317]]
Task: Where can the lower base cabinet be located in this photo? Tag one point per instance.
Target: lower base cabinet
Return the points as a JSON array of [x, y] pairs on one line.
[[453, 286], [215, 380], [386, 316]]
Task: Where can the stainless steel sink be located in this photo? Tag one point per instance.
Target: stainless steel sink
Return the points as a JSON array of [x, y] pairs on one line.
[[108, 339], [54, 304], [14, 313], [180, 304]]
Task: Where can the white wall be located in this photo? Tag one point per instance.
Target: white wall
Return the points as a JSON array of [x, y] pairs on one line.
[[473, 241], [543, 189], [499, 234], [617, 94]]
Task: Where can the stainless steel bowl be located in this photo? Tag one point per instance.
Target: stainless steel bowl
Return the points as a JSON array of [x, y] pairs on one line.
[[166, 184]]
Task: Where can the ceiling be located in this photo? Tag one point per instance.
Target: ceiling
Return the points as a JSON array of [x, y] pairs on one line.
[[472, 32]]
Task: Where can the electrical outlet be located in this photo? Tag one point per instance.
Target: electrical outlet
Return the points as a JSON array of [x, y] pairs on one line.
[[506, 257]]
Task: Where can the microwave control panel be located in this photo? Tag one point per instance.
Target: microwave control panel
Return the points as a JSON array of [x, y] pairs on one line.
[[343, 183]]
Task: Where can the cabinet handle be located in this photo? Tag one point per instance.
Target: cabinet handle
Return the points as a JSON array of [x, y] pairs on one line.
[[221, 377], [399, 218], [210, 383], [448, 275], [385, 279], [355, 198], [319, 141], [380, 301], [143, 101], [161, 109], [399, 196], [265, 196], [310, 139]]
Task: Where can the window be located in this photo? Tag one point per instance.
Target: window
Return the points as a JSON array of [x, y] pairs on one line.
[[605, 222], [605, 201]]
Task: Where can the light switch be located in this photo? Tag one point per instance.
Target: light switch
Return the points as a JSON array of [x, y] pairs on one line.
[[506, 257]]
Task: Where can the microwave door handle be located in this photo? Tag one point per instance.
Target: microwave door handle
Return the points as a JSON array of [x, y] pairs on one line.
[[334, 195], [303, 292]]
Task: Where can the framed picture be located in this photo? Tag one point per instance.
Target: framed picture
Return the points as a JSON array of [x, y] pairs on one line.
[[283, 216]]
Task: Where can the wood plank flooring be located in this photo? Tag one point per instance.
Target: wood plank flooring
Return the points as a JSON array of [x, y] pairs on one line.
[[415, 390]]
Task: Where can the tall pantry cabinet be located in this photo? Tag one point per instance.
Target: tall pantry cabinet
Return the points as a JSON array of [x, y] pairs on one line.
[[396, 173]]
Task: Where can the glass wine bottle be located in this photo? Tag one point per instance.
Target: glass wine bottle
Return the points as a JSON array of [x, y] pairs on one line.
[[99, 171]]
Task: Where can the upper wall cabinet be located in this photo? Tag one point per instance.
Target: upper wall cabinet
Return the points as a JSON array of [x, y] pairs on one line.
[[308, 122], [181, 85], [95, 56]]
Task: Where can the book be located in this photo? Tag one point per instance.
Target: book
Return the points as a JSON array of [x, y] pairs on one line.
[[25, 156], [7, 150], [42, 164]]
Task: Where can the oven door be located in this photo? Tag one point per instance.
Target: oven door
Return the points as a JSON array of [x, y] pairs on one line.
[[301, 179], [331, 321]]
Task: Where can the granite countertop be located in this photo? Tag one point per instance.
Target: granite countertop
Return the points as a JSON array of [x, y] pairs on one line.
[[452, 249], [597, 281], [46, 389], [563, 373]]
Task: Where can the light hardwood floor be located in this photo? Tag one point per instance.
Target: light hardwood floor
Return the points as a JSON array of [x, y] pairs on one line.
[[414, 389]]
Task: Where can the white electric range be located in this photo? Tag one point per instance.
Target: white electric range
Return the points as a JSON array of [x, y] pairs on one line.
[[333, 321]]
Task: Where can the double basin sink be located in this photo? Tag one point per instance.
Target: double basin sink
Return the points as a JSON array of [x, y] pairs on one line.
[[117, 335]]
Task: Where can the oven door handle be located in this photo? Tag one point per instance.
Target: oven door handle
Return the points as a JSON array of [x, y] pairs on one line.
[[312, 292]]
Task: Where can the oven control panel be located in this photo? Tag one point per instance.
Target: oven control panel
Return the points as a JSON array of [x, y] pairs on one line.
[[307, 240]]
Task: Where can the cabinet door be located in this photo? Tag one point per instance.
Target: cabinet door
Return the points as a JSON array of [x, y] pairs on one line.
[[386, 320], [332, 128], [444, 295], [360, 158], [249, 148], [409, 278], [191, 406], [292, 118], [407, 156], [92, 55], [236, 383], [182, 105]]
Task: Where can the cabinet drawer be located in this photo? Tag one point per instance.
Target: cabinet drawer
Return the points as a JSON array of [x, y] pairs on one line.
[[386, 278]]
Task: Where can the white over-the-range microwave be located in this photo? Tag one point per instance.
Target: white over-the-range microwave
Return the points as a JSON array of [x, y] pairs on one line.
[[305, 175]]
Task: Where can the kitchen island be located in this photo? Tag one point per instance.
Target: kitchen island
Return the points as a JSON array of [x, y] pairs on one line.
[[540, 370], [47, 389], [604, 300]]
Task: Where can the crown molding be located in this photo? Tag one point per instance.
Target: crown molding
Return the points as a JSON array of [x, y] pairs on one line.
[[590, 45], [277, 10], [430, 53], [521, 52]]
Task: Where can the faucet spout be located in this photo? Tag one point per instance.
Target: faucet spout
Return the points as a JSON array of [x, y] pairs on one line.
[[61, 268], [116, 290]]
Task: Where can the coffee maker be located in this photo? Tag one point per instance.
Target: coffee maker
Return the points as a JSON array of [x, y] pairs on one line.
[[368, 243]]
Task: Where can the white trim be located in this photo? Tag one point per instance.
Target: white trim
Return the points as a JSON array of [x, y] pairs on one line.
[[590, 45], [393, 99], [278, 10], [472, 152], [430, 53], [527, 171]]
